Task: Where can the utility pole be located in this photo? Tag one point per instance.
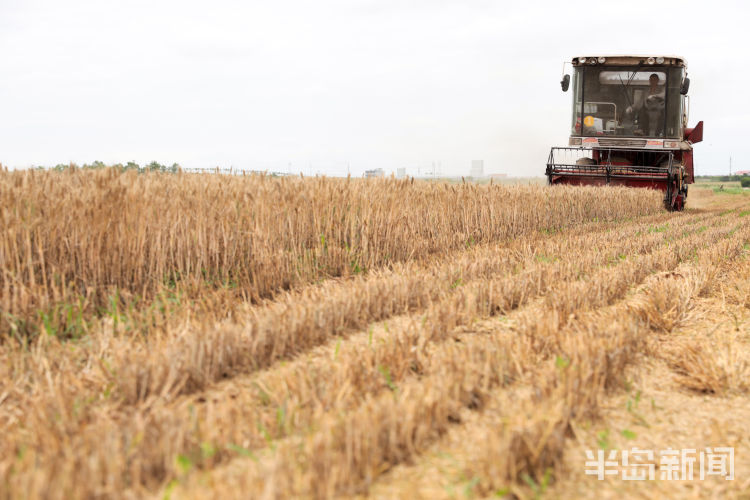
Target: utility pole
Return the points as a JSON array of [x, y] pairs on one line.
[[730, 166]]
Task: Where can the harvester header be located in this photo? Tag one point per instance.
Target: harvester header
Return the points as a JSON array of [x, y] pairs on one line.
[[629, 125]]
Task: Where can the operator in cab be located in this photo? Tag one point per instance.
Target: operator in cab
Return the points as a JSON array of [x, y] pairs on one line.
[[653, 102]]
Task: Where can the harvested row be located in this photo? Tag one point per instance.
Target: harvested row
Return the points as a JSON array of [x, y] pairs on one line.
[[188, 362], [171, 433], [78, 243], [522, 433], [530, 440], [658, 405], [345, 453], [703, 362], [185, 359]]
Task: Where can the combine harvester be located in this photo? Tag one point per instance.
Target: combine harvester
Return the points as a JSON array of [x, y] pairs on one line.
[[629, 126]]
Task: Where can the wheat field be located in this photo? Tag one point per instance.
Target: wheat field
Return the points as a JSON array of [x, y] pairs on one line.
[[211, 336]]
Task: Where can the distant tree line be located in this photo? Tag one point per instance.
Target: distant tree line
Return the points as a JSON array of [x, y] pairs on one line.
[[154, 166], [722, 178], [743, 179]]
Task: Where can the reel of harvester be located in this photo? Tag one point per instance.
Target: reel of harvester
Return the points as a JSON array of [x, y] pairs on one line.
[[619, 167]]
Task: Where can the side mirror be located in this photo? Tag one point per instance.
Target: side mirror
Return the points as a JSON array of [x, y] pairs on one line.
[[565, 83], [685, 86]]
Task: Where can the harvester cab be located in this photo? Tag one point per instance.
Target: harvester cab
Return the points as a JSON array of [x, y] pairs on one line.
[[628, 126]]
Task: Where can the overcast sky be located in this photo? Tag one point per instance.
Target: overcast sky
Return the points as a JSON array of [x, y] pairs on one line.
[[322, 86]]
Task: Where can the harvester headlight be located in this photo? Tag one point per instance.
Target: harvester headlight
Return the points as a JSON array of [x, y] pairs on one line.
[[650, 60], [592, 61], [671, 144], [582, 60], [659, 60], [602, 60], [574, 141]]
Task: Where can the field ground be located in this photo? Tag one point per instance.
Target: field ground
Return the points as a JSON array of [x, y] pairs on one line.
[[728, 187], [482, 361], [717, 184]]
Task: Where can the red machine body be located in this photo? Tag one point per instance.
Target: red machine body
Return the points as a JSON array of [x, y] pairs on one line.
[[629, 126]]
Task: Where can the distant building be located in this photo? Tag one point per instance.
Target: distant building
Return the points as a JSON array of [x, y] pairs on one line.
[[477, 168], [376, 172], [400, 173], [742, 172]]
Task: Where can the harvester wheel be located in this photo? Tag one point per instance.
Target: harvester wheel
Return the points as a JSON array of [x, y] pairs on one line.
[[668, 198], [674, 197]]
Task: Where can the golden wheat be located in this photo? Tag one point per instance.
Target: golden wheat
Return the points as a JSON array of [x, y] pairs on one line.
[[74, 242], [319, 387], [265, 337]]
